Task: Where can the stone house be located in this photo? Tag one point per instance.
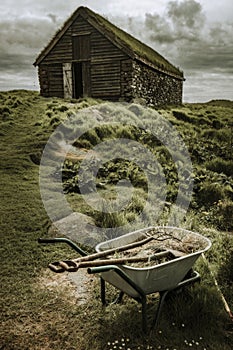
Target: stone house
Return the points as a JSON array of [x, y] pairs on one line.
[[91, 57]]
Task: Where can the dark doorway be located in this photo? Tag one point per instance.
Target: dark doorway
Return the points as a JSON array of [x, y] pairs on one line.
[[78, 80]]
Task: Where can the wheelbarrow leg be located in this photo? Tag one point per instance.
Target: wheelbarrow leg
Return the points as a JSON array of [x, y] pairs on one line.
[[103, 294], [159, 308], [144, 313], [102, 291], [194, 277], [126, 278], [118, 299]]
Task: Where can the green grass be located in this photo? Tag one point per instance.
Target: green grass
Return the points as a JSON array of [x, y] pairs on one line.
[[36, 315]]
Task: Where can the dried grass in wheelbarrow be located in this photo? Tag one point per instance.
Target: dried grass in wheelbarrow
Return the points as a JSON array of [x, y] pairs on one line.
[[146, 261]]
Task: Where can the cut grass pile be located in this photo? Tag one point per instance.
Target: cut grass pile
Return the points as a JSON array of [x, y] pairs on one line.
[[36, 315]]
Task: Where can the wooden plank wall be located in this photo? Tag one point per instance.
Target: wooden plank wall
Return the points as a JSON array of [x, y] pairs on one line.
[[56, 80], [62, 51], [52, 64], [105, 62]]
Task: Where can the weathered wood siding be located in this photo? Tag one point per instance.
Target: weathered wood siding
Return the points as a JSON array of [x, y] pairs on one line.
[[51, 80], [62, 51], [83, 54], [104, 64]]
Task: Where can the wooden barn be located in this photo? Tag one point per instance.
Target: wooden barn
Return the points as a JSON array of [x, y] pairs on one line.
[[91, 57]]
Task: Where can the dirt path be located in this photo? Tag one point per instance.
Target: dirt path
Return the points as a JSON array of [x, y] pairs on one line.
[[77, 285]]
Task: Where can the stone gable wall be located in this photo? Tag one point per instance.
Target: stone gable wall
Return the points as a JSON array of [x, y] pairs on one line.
[[153, 88]]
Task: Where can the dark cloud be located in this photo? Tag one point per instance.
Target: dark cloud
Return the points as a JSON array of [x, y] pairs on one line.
[[199, 47], [22, 39], [158, 29], [182, 21], [9, 62], [185, 37], [182, 34], [53, 18], [186, 14]]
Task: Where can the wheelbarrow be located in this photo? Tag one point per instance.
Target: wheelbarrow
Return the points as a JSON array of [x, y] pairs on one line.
[[139, 270]]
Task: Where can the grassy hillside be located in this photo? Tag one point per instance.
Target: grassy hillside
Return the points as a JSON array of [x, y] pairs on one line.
[[39, 309]]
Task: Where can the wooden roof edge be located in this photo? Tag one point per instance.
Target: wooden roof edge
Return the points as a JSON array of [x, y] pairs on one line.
[[164, 71], [92, 18], [95, 20], [57, 36], [122, 45], [85, 12]]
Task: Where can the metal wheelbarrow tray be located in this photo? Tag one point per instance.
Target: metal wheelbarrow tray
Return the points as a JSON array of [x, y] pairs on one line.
[[138, 282], [153, 275]]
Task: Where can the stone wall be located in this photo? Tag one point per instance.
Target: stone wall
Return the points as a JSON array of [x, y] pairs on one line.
[[126, 80], [141, 83]]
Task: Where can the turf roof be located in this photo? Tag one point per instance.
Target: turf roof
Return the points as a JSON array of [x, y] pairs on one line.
[[132, 46]]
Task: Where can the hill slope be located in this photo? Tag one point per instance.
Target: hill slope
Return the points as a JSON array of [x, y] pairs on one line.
[[40, 315]]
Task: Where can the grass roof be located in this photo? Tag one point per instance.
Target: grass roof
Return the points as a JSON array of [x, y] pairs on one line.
[[140, 49], [132, 46]]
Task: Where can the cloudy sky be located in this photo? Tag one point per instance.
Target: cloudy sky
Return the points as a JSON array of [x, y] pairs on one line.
[[194, 35]]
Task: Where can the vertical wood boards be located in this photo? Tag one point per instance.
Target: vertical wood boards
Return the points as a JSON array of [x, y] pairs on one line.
[[88, 60], [67, 80], [81, 47], [90, 63]]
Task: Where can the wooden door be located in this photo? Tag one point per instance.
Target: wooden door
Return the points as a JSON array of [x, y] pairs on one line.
[[81, 65], [67, 80], [81, 47], [86, 79]]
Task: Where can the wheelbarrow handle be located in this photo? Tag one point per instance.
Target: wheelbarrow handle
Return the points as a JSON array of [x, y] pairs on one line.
[[56, 268], [74, 265], [62, 266], [63, 240]]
